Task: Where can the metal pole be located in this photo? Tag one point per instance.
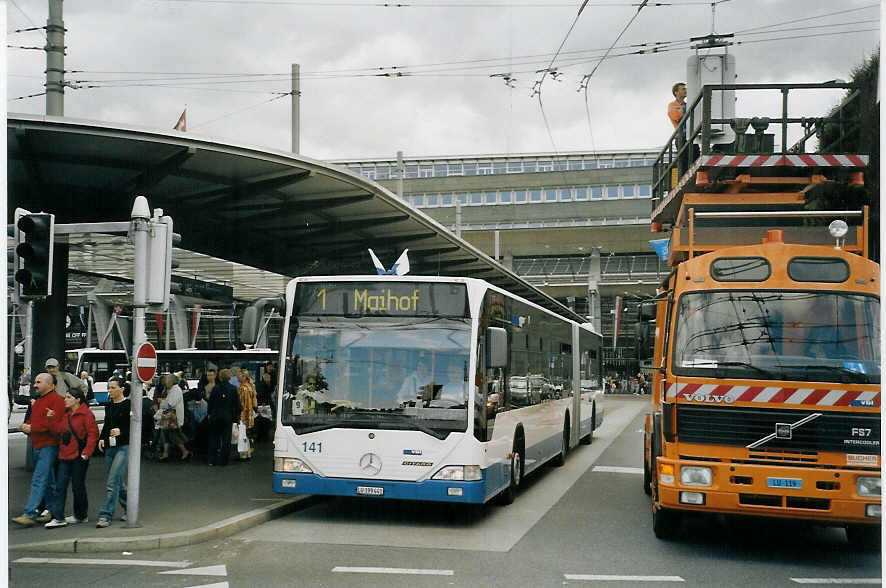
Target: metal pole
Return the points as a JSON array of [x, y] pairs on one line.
[[29, 330], [497, 244], [55, 60], [139, 235], [296, 97], [400, 173], [458, 219]]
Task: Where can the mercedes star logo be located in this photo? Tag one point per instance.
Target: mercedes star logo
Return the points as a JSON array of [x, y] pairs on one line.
[[370, 464]]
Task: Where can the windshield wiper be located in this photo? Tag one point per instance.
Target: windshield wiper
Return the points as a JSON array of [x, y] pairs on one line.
[[853, 376], [746, 364]]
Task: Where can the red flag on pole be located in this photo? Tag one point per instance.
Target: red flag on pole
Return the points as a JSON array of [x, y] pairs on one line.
[[159, 318], [182, 124]]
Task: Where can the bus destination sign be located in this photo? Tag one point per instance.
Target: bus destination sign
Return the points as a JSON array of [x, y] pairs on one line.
[[381, 299]]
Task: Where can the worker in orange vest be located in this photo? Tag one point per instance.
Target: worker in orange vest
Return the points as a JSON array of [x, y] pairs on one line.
[[677, 108]]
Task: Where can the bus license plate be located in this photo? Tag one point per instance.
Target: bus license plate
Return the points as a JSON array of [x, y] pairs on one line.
[[784, 483], [370, 490]]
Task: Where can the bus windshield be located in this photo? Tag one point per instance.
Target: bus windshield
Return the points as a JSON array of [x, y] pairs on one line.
[[777, 335], [406, 373]]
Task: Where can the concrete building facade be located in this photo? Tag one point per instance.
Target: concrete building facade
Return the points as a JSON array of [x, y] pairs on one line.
[[543, 214]]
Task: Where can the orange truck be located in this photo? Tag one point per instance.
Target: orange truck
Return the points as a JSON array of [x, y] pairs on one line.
[[765, 336]]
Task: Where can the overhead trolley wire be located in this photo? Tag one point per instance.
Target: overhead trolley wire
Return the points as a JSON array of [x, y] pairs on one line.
[[825, 15]]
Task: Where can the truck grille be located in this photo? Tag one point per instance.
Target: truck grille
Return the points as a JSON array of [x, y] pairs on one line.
[[840, 432]]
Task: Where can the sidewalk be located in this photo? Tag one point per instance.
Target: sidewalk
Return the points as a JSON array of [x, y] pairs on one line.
[[179, 504]]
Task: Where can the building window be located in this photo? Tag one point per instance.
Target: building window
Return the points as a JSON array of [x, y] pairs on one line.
[[461, 197], [628, 190], [499, 167], [484, 168], [355, 170], [455, 169], [530, 167], [535, 195], [368, 172], [446, 200], [545, 166], [644, 190], [622, 162], [560, 165], [520, 196], [565, 194], [515, 167], [604, 163], [638, 162], [550, 195], [418, 200], [596, 193], [382, 172], [476, 198], [491, 197], [411, 171], [470, 169], [426, 171], [590, 163], [440, 170], [611, 192], [431, 199], [581, 193], [575, 164], [506, 197]]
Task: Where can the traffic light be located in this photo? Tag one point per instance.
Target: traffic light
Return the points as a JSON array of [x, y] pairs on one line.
[[33, 250]]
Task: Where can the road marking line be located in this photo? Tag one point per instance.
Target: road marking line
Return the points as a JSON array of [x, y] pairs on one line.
[[220, 570], [410, 571], [617, 470], [103, 562], [613, 578], [836, 580], [216, 585]]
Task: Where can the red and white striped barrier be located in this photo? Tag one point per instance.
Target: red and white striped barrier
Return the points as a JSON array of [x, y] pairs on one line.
[[801, 160], [728, 394]]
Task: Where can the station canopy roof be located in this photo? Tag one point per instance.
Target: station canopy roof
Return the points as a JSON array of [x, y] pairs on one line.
[[249, 217]]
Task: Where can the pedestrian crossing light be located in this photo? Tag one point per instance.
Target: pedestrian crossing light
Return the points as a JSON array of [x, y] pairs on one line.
[[33, 252]]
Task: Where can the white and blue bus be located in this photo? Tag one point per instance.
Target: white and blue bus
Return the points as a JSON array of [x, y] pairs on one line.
[[425, 388], [101, 364]]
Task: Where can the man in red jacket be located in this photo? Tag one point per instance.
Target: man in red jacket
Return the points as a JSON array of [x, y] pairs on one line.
[[44, 426], [79, 438]]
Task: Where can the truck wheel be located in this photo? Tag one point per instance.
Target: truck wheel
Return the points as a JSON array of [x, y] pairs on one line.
[[864, 537], [666, 523], [647, 475]]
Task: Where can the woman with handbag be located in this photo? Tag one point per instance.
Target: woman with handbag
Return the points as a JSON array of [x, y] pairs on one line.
[[78, 441], [248, 404], [173, 417]]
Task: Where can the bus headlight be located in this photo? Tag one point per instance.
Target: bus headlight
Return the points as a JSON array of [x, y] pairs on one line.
[[869, 486], [466, 473], [292, 465], [696, 476]]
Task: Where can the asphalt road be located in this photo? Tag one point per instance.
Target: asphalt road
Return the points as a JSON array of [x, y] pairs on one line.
[[588, 523]]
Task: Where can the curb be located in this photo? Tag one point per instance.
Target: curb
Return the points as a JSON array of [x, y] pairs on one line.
[[223, 528]]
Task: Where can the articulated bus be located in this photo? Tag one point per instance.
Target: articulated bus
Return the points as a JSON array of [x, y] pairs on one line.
[[101, 363], [426, 388]]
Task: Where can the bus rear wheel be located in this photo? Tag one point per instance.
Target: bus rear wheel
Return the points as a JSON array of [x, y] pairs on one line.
[[560, 458]]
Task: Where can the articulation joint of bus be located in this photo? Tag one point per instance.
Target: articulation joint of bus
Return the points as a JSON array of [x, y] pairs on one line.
[[765, 335]]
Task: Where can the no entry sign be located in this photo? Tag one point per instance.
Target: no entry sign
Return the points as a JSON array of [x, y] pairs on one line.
[[146, 362]]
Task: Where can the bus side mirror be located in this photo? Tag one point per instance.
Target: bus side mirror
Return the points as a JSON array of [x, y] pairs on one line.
[[252, 318], [496, 347]]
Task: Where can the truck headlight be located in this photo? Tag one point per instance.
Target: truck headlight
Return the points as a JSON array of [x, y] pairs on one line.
[[696, 476], [291, 465], [869, 485], [459, 473]]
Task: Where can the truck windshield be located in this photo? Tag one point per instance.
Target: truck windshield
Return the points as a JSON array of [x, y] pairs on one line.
[[377, 373], [771, 335]]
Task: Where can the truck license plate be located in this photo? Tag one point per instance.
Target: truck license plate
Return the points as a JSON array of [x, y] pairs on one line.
[[370, 490], [784, 483]]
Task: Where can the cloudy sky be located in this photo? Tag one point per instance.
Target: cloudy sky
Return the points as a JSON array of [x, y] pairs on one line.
[[228, 62]]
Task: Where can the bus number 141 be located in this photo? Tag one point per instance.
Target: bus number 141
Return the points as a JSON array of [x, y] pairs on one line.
[[312, 447]]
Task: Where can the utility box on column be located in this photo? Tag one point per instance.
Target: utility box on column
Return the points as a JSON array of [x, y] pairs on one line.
[[159, 261]]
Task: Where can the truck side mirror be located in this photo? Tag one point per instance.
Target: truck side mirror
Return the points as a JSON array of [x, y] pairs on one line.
[[647, 310], [496, 347]]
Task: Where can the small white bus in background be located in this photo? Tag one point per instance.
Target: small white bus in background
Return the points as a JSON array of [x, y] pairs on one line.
[[425, 388], [101, 363]]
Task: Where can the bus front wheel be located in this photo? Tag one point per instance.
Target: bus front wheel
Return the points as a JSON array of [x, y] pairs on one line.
[[510, 493]]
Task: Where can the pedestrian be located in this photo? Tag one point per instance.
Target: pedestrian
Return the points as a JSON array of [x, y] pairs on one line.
[[84, 376], [248, 404], [114, 441], [173, 409], [223, 412], [677, 108], [44, 427], [63, 379], [267, 409], [78, 442]]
